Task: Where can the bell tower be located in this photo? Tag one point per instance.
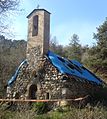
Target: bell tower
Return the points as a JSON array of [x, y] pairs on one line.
[[38, 35]]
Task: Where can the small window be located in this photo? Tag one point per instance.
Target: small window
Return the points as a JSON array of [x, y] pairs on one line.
[[47, 95], [35, 26]]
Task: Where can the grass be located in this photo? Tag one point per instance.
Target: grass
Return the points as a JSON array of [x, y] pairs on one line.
[[89, 112]]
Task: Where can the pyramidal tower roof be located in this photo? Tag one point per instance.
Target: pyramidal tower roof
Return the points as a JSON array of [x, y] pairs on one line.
[[35, 10]]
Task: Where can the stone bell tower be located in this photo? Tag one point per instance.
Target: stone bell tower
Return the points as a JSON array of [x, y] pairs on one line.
[[38, 35]]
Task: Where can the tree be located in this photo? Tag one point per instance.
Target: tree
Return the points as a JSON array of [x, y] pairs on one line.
[[56, 48], [101, 37], [12, 53], [6, 7], [73, 50], [53, 43], [98, 53]]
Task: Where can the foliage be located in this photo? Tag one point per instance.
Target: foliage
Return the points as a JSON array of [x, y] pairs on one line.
[[56, 48], [89, 112], [72, 51], [11, 54], [40, 107], [97, 59], [74, 48], [94, 57], [7, 7]]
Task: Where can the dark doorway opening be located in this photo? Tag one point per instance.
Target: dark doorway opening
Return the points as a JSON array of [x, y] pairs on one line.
[[47, 96], [32, 92]]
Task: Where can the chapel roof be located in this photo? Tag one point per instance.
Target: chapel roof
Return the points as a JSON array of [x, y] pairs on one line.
[[65, 66], [72, 67]]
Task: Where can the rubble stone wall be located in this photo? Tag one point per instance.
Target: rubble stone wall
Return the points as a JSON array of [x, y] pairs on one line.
[[50, 83], [57, 85]]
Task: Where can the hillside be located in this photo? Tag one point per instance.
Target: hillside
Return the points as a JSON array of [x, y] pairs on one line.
[[11, 54]]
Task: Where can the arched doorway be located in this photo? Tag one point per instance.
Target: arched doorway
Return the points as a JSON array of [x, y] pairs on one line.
[[32, 91]]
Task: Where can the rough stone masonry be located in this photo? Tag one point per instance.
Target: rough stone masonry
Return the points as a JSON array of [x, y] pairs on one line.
[[40, 79]]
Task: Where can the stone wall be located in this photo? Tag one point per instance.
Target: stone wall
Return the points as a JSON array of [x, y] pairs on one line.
[[48, 83], [33, 56], [40, 40], [60, 86]]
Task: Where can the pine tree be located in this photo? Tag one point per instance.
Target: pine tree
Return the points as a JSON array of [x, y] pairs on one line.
[[98, 53], [74, 48]]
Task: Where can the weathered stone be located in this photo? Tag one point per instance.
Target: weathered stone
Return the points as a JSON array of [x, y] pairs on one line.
[[40, 79]]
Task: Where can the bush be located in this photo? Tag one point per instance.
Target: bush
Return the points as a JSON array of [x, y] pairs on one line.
[[40, 107]]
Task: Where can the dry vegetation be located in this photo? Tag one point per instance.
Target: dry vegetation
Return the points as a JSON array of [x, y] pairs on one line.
[[89, 112]]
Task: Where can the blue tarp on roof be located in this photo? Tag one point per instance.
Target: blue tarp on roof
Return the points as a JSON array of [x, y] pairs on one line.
[[16, 73], [72, 67], [65, 66]]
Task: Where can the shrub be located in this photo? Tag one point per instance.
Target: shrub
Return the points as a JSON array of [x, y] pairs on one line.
[[40, 107]]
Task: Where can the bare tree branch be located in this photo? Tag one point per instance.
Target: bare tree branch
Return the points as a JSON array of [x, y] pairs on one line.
[[7, 7]]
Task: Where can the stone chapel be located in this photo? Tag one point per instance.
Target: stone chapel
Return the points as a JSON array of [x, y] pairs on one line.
[[46, 75]]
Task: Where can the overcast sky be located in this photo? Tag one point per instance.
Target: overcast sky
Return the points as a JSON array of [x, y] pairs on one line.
[[67, 17]]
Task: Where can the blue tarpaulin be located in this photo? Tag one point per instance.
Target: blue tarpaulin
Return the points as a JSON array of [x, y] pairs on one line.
[[65, 66], [72, 67], [16, 73]]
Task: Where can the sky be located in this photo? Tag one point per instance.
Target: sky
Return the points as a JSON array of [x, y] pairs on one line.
[[67, 17]]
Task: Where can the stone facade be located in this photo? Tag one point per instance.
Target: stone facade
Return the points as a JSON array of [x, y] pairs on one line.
[[47, 82], [40, 79], [41, 38]]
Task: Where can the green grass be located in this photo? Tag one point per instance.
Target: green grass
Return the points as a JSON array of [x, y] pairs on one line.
[[89, 112]]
